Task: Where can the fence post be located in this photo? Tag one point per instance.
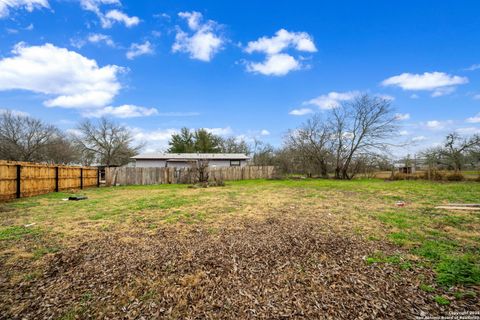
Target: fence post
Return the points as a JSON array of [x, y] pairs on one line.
[[98, 177], [81, 178], [56, 179], [19, 169]]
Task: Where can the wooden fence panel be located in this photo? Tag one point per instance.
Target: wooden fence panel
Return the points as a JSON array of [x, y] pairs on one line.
[[147, 176], [36, 178]]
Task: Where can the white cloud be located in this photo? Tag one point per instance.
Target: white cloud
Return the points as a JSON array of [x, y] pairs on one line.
[[264, 132], [300, 112], [439, 82], [282, 40], [434, 124], [29, 5], [473, 67], [99, 38], [220, 131], [203, 42], [276, 62], [137, 49], [402, 116], [474, 119], [124, 111], [94, 5], [275, 65], [73, 80], [437, 125], [476, 97], [331, 100], [115, 15], [468, 130], [414, 96], [14, 112], [156, 140], [404, 133], [419, 138], [112, 16]]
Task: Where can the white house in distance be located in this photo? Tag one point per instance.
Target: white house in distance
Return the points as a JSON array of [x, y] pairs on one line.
[[183, 160]]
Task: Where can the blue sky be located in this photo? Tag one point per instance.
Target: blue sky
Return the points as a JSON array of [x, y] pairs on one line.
[[240, 68]]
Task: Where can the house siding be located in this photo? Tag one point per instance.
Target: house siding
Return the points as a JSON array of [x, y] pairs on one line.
[[156, 163]]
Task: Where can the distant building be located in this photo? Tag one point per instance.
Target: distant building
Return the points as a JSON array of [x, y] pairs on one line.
[[183, 160]]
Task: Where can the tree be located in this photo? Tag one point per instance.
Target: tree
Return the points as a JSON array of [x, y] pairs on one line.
[[456, 149], [23, 138], [199, 140], [360, 127], [234, 145], [207, 142], [263, 153], [311, 141], [182, 142], [105, 143]]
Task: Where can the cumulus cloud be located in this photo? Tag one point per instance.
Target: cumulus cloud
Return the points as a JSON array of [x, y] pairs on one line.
[[101, 38], [264, 132], [419, 138], [220, 131], [402, 116], [113, 16], [275, 65], [474, 119], [156, 140], [278, 63], [438, 125], [137, 49], [124, 111], [300, 112], [439, 83], [331, 100], [7, 5], [202, 42], [72, 80]]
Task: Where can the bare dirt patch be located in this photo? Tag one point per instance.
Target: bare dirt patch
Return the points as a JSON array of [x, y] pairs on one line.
[[276, 268]]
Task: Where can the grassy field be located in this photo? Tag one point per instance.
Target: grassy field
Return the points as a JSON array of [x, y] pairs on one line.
[[251, 249]]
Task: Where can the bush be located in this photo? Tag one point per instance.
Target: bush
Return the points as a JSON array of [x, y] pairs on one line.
[[455, 176], [436, 175], [404, 176]]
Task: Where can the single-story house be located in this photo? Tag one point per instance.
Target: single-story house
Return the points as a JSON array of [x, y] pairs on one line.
[[403, 167], [183, 160]]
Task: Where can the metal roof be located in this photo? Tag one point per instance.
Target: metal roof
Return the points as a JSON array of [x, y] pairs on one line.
[[191, 156]]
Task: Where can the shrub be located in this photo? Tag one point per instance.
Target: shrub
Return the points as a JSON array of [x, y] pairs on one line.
[[404, 176], [455, 176], [436, 175]]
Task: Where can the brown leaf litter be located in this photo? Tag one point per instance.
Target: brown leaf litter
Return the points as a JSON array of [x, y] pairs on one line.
[[273, 269]]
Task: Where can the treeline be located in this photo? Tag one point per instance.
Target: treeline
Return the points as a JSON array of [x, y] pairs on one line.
[[342, 142], [23, 138]]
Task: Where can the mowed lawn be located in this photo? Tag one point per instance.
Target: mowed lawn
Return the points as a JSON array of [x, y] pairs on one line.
[[250, 249]]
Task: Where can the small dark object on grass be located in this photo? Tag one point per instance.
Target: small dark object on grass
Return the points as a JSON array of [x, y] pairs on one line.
[[76, 198]]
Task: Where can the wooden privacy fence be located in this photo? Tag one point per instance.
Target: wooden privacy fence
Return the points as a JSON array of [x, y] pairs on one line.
[[144, 176], [25, 179]]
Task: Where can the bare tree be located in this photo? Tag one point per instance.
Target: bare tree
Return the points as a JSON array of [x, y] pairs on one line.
[[23, 138], [311, 141], [105, 142], [361, 127], [199, 171], [263, 154], [456, 148]]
